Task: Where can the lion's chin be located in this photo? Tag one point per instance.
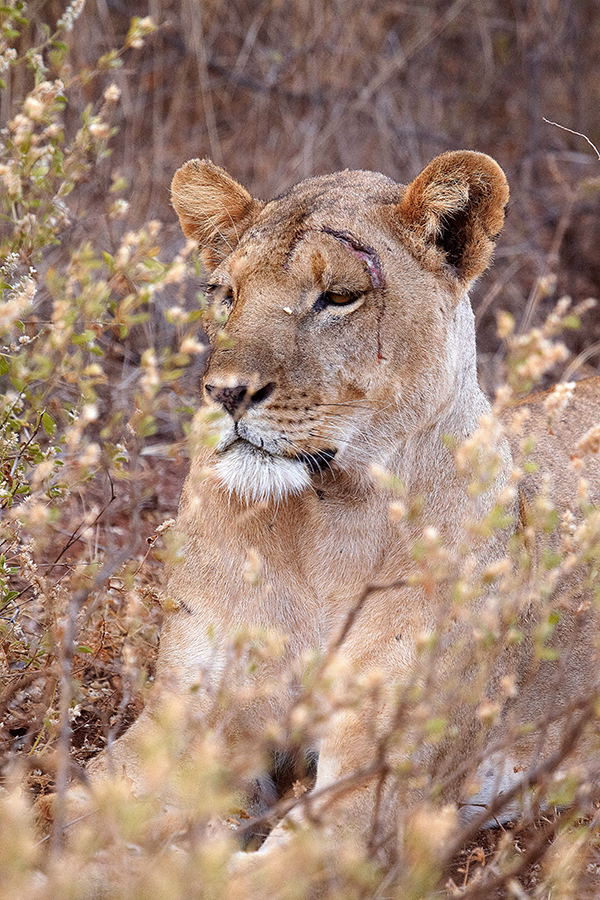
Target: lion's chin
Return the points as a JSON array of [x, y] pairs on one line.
[[255, 476]]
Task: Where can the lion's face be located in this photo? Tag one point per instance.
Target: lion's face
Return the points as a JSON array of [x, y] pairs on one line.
[[343, 304]]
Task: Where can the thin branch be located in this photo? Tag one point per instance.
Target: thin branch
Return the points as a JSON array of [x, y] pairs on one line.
[[579, 361], [67, 653], [530, 780], [77, 533], [578, 133], [355, 612]]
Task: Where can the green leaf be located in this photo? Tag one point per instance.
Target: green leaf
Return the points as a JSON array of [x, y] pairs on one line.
[[48, 424], [85, 337], [547, 653], [110, 60], [551, 559], [4, 365]]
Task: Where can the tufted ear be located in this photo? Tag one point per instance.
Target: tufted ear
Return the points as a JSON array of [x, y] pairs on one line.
[[453, 211], [213, 208]]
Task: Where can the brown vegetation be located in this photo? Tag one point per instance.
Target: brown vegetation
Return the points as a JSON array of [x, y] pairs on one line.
[[275, 92]]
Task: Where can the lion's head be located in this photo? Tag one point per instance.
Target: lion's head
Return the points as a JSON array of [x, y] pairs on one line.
[[347, 322]]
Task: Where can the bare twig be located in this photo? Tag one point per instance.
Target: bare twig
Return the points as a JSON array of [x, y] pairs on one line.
[[578, 133], [532, 778], [67, 651], [76, 534], [579, 360]]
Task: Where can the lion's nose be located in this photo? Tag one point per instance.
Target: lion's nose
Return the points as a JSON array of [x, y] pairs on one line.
[[237, 398]]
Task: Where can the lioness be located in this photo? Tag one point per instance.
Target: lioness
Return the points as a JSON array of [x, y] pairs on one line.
[[346, 379]]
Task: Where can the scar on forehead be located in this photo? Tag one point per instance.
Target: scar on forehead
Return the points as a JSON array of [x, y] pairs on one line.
[[363, 252]]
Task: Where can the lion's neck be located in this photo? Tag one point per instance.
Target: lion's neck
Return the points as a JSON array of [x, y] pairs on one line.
[[468, 400], [424, 461]]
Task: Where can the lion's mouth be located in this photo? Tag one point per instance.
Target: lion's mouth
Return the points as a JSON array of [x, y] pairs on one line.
[[316, 462]]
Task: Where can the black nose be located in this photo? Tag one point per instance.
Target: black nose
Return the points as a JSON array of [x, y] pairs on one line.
[[236, 399]]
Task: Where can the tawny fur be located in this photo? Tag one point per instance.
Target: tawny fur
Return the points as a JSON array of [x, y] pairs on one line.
[[351, 334]]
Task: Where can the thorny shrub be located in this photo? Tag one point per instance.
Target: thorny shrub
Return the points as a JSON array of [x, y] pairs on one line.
[[85, 392]]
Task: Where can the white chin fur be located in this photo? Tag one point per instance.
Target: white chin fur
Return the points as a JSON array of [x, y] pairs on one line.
[[255, 476]]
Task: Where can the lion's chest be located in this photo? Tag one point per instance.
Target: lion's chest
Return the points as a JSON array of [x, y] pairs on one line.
[[341, 548], [297, 569]]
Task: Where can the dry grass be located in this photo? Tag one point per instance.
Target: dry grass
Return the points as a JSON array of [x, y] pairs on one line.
[[274, 93]]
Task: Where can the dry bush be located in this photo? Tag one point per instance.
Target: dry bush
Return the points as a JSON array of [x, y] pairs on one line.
[[99, 359]]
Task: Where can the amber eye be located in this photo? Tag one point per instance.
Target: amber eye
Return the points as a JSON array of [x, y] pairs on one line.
[[332, 298], [340, 299]]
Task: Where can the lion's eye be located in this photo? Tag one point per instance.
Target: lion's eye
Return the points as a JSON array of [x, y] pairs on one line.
[[339, 299], [332, 298], [220, 295], [220, 302]]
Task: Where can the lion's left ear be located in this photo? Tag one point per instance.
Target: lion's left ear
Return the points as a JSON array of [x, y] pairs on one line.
[[453, 211], [213, 209]]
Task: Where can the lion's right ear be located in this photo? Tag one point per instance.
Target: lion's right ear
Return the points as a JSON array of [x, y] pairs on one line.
[[213, 209]]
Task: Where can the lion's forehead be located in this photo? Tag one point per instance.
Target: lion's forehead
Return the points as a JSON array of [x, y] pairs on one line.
[[343, 187], [319, 212], [315, 258], [344, 201]]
